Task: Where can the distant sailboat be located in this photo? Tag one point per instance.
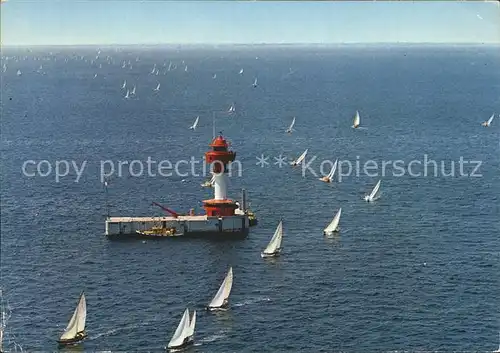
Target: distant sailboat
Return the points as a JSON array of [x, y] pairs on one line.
[[154, 70], [329, 177], [274, 247], [488, 122], [220, 301], [214, 76], [231, 109], [498, 350], [300, 159], [290, 128], [124, 84], [241, 72], [193, 127], [2, 321], [356, 121], [373, 196], [157, 88], [19, 73], [127, 96], [75, 331], [183, 335], [169, 66], [133, 91], [255, 83], [334, 224], [186, 69]]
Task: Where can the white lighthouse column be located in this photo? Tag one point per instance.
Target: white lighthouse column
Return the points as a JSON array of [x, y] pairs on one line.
[[220, 186]]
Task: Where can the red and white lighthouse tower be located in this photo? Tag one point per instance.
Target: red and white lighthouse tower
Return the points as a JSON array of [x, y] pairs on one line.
[[220, 157]]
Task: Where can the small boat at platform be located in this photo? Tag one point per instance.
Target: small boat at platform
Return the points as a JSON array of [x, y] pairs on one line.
[[158, 232]]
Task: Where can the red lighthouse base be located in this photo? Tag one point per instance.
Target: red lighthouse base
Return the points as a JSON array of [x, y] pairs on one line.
[[219, 207]]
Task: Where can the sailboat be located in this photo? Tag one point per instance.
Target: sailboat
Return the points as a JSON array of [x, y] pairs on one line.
[[220, 301], [124, 84], [274, 246], [334, 224], [231, 109], [255, 83], [498, 350], [209, 183], [372, 197], [127, 96], [169, 66], [290, 128], [133, 91], [193, 127], [214, 76], [356, 121], [329, 177], [2, 321], [75, 331], [488, 122], [157, 88], [154, 69], [241, 72], [300, 159], [183, 335], [186, 69], [19, 73]]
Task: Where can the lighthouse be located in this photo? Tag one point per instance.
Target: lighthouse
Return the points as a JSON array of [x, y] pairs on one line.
[[223, 217], [220, 156]]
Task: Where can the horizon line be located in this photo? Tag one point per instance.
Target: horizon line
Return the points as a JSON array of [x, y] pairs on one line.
[[243, 44]]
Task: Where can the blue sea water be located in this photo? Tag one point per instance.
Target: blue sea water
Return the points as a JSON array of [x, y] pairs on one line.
[[415, 271]]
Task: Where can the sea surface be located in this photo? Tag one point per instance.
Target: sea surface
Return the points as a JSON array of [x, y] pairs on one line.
[[417, 270]]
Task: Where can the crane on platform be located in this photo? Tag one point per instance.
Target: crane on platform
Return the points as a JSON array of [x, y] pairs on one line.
[[173, 213]]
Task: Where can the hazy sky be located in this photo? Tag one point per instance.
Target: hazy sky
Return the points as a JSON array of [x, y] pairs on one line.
[[26, 22]]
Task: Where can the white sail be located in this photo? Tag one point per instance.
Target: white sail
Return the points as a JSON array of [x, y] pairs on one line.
[[375, 190], [241, 71], [301, 158], [77, 322], [224, 291], [372, 195], [231, 108], [195, 124], [498, 350], [290, 128], [274, 245], [133, 91], [181, 331], [334, 168], [124, 84], [356, 120], [192, 324], [490, 119], [332, 227], [157, 87], [128, 94], [255, 82]]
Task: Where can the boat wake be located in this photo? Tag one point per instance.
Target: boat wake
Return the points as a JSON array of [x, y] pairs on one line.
[[252, 301], [214, 337], [115, 330]]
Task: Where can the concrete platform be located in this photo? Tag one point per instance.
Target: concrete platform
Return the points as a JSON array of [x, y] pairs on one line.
[[201, 225]]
